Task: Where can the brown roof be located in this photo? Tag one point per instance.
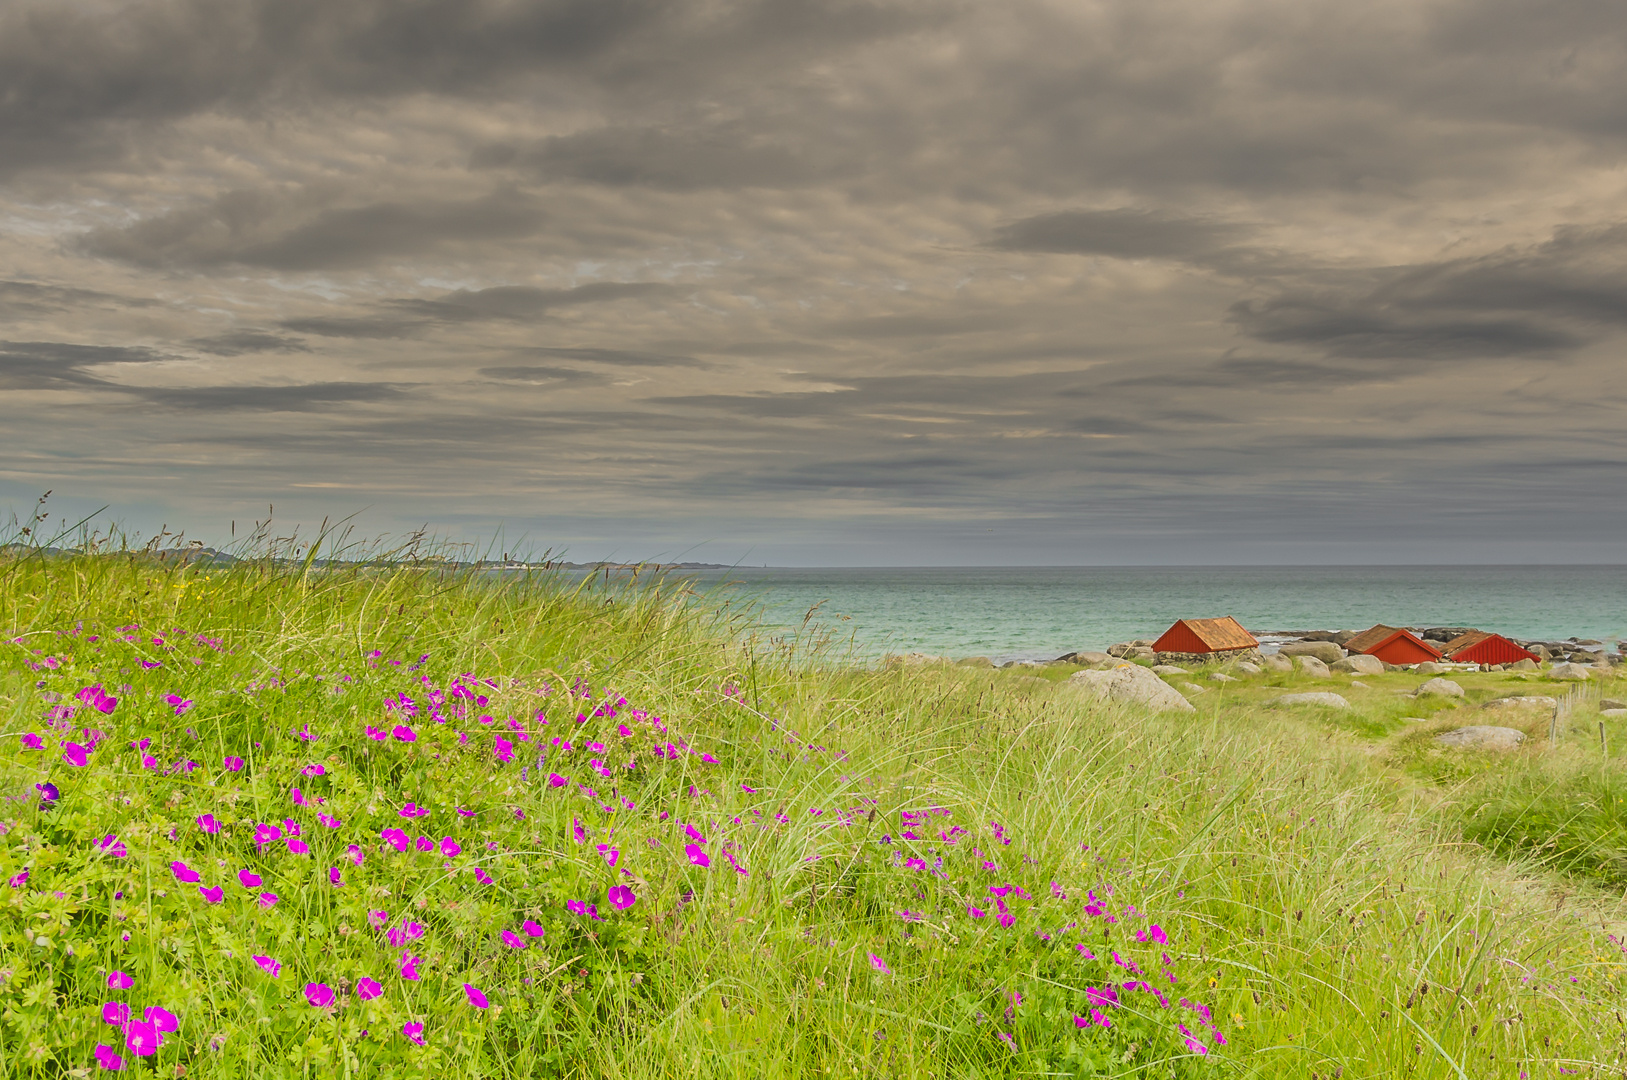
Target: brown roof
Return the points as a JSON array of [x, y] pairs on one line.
[[1368, 638], [1222, 633], [1463, 641]]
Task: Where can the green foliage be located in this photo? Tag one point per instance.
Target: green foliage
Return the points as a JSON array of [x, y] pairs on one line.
[[1331, 919]]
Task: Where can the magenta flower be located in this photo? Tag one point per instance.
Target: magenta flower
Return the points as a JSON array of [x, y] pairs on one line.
[[112, 846], [476, 998], [115, 1013], [354, 854], [265, 834], [368, 989], [298, 796], [555, 780], [297, 846], [269, 966], [119, 980], [412, 810], [232, 764], [379, 919], [1105, 996], [450, 848], [18, 880], [268, 899], [334, 876], [97, 699], [141, 1038], [404, 733], [694, 834], [75, 755], [396, 838], [212, 895], [504, 750], [328, 820], [975, 912], [184, 873], [248, 879], [1153, 933], [313, 770], [162, 1019], [409, 967], [533, 929], [481, 875], [413, 1031], [32, 741], [208, 824], [424, 844], [515, 941], [621, 897], [610, 854], [697, 855], [879, 964], [181, 705], [320, 995], [108, 1059]]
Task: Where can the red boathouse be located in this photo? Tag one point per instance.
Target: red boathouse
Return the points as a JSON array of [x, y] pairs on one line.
[[1393, 646], [1198, 637], [1481, 647]]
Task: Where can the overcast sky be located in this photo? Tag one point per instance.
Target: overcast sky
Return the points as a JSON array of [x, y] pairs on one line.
[[826, 282]]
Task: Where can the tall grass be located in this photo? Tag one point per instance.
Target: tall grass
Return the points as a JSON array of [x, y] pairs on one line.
[[1331, 919]]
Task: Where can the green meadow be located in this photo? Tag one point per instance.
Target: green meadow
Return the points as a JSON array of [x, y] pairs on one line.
[[548, 826]]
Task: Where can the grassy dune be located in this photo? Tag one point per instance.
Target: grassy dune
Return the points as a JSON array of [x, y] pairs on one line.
[[660, 846]]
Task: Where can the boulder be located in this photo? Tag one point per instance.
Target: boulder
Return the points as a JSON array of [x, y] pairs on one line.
[[1131, 683], [1613, 712], [1570, 672], [1430, 667], [1528, 701], [976, 661], [1612, 703], [1169, 669], [1325, 651], [1523, 664], [1277, 663], [1249, 669], [1086, 658], [1221, 676], [1118, 649], [1359, 664], [1311, 666], [1322, 698], [1440, 687], [1482, 737], [1194, 688]]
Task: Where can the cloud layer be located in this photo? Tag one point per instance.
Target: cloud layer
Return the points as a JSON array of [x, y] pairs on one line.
[[827, 281]]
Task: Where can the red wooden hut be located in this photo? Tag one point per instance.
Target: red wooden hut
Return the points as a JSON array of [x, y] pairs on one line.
[[1198, 637], [1393, 646], [1481, 647]]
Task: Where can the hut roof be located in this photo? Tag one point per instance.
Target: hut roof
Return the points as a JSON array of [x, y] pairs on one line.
[[1220, 634], [1463, 641], [1368, 638]]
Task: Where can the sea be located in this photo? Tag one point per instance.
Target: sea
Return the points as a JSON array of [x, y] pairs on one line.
[[1040, 613]]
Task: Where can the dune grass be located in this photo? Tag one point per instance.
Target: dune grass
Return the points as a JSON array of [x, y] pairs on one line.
[[810, 868]]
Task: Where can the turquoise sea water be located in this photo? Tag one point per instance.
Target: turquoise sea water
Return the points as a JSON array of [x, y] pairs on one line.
[[1041, 612]]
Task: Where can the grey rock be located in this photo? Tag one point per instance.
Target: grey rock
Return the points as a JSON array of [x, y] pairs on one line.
[[1118, 649], [1524, 664], [1570, 672], [1321, 697], [1170, 669], [1527, 701], [1311, 666], [1359, 664], [1429, 667], [976, 661], [1613, 712], [1482, 737], [1085, 658], [1249, 669], [1325, 651], [1277, 663], [1440, 687], [1612, 703], [1131, 683], [1221, 676], [1194, 688]]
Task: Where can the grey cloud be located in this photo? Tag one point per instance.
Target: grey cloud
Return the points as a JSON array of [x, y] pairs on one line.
[[304, 397], [241, 342], [539, 374], [19, 299], [618, 357], [523, 302], [674, 160], [56, 365], [273, 231], [1120, 233]]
